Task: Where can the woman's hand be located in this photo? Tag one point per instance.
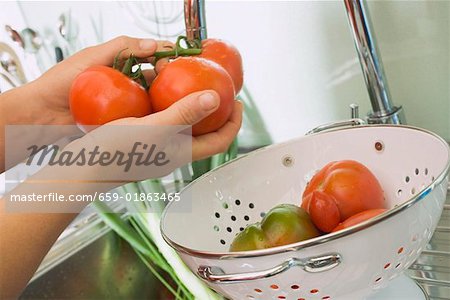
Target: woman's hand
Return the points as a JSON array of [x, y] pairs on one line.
[[52, 88], [47, 99]]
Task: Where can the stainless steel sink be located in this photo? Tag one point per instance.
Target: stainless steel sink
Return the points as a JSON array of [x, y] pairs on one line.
[[103, 267], [91, 262]]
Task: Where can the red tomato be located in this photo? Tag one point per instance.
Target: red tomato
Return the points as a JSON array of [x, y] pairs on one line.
[[226, 55], [359, 218], [101, 94], [323, 211], [351, 184], [186, 75]]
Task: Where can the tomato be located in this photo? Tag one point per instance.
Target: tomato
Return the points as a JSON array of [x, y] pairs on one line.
[[352, 186], [282, 225], [102, 94], [252, 238], [226, 55], [359, 218], [186, 75], [323, 211]]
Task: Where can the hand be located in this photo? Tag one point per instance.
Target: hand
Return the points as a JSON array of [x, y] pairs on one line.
[[190, 110], [53, 86]]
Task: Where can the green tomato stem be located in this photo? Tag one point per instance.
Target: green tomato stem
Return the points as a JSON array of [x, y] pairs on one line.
[[177, 52], [128, 66], [193, 48]]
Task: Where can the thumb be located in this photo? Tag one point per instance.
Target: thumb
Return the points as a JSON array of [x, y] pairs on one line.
[[190, 109]]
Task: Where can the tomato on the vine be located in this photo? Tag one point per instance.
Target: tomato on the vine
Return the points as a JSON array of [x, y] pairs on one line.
[[102, 94], [226, 55], [351, 186], [186, 75]]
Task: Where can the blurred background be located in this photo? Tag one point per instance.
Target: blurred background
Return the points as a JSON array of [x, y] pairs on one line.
[[299, 58]]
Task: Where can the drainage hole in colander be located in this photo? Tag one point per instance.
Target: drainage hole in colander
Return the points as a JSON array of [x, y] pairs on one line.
[[222, 242], [399, 192], [301, 299], [386, 266], [229, 229], [295, 287], [281, 297], [251, 205], [274, 287], [413, 191], [217, 215], [416, 171], [432, 178], [378, 279], [241, 229], [225, 205], [326, 297], [314, 291], [246, 218], [426, 171], [259, 291], [250, 297], [238, 202], [262, 214], [233, 218], [407, 179], [216, 228], [398, 265], [379, 146], [400, 250]]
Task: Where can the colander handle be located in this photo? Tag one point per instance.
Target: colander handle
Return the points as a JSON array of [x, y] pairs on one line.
[[334, 125], [310, 265]]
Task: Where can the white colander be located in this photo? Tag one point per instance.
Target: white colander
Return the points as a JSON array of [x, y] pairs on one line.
[[412, 166]]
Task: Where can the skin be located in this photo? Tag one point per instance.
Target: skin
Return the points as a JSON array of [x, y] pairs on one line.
[[26, 238]]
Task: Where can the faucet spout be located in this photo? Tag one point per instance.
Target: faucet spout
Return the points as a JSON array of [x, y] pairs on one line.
[[372, 67], [195, 19]]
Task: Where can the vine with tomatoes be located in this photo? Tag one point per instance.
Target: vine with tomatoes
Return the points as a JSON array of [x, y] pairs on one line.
[[101, 94]]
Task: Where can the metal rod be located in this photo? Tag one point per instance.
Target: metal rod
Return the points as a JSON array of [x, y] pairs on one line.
[[372, 67], [195, 19]]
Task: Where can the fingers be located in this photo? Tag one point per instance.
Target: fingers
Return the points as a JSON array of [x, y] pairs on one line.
[[216, 142], [161, 64], [105, 53], [189, 110], [149, 75]]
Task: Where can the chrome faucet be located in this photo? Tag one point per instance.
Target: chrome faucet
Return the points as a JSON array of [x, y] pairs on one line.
[[372, 67], [384, 110], [195, 20]]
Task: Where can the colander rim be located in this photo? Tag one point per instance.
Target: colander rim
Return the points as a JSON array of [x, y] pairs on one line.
[[326, 237]]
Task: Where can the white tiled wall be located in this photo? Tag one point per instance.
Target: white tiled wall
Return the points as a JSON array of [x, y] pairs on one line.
[[299, 58]]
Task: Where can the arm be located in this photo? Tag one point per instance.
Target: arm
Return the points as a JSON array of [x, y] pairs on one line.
[[21, 106], [25, 238]]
